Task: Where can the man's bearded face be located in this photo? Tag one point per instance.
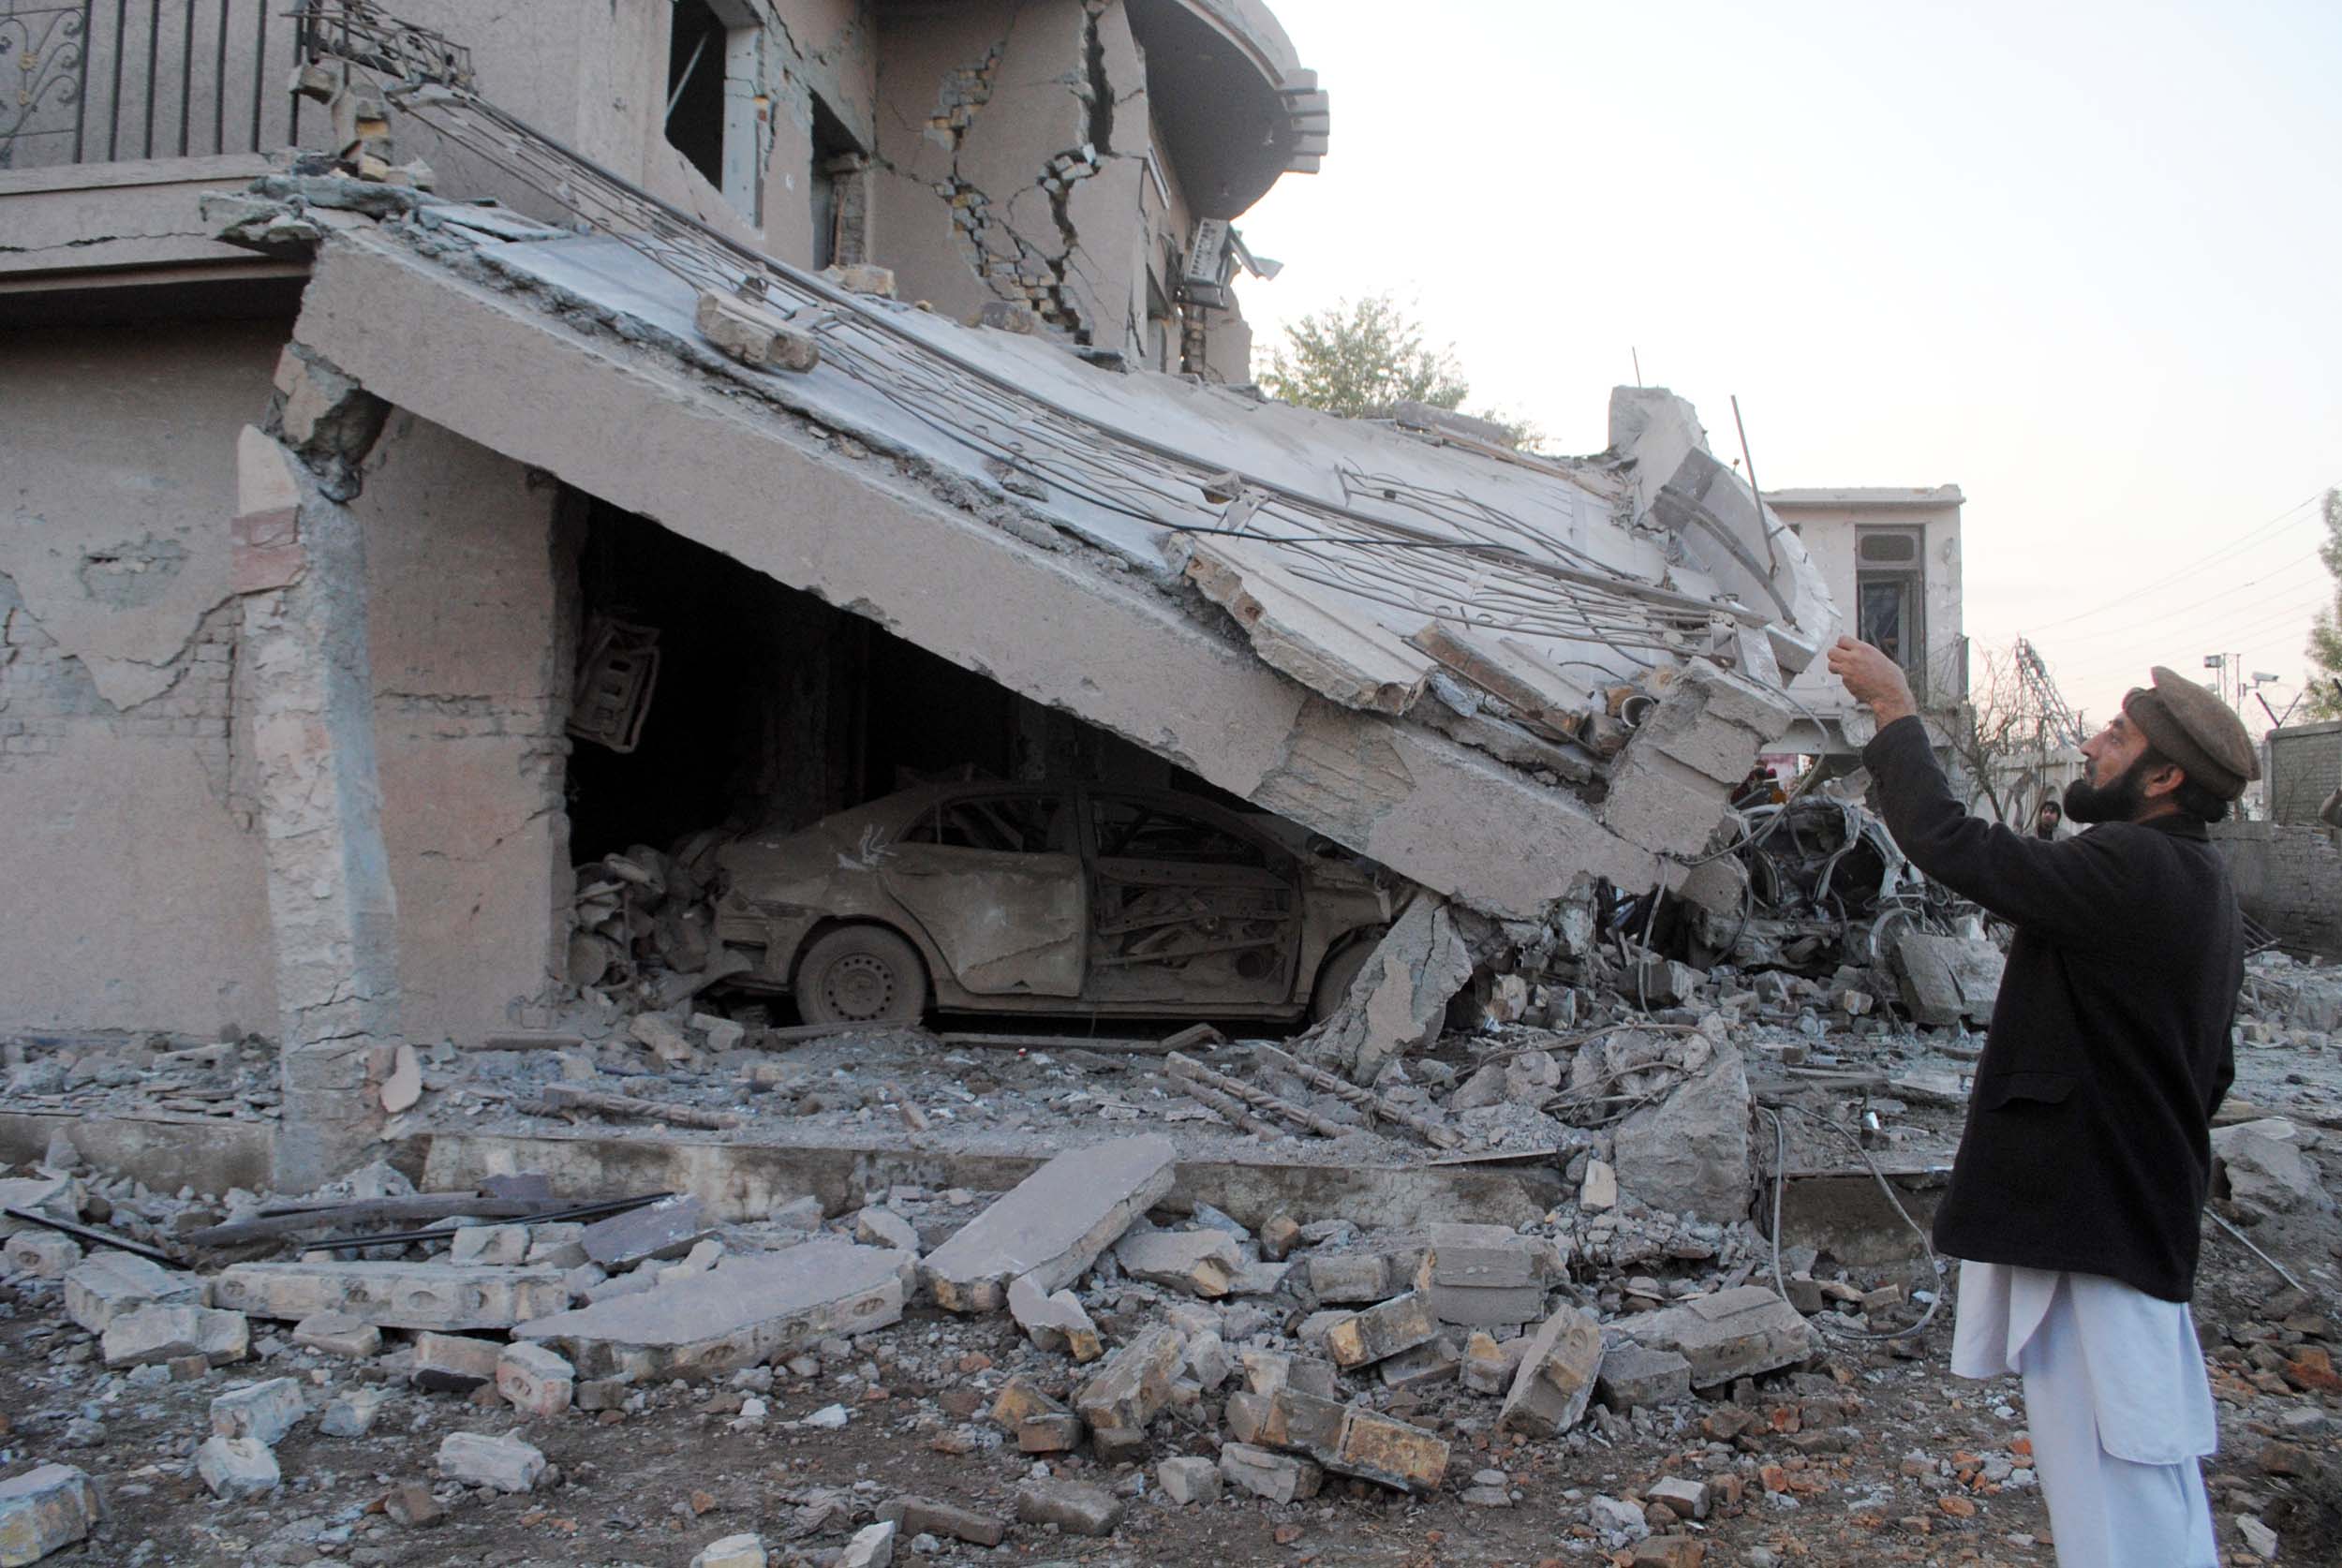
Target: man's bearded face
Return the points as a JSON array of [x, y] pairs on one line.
[[2119, 800]]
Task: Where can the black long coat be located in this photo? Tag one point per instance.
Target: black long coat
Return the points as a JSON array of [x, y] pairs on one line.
[[2088, 1141]]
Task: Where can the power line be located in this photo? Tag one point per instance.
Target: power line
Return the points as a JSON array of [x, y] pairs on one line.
[[2196, 604], [2232, 548]]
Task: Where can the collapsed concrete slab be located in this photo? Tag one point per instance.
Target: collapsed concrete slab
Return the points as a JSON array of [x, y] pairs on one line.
[[443, 1296], [1689, 1153], [745, 1310], [1051, 1227]]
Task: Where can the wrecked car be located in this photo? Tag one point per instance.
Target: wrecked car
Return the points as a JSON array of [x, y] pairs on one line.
[[1039, 899]]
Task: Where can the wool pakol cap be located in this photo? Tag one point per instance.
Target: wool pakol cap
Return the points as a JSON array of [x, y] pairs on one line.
[[2191, 725]]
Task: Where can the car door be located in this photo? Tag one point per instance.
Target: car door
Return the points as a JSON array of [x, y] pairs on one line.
[[994, 879], [1187, 905]]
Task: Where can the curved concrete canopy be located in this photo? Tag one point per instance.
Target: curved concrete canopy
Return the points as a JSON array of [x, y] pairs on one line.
[[1235, 108]]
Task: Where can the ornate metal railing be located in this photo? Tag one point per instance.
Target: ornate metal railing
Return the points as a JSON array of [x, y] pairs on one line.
[[102, 81]]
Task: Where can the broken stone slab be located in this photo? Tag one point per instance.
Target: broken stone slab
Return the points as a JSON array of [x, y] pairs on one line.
[[872, 1546], [534, 1380], [1349, 1440], [264, 1411], [1556, 1377], [1052, 1225], [1686, 1500], [1054, 1322], [112, 1283], [488, 1244], [353, 1412], [1350, 1279], [476, 1459], [1264, 1474], [1599, 1190], [925, 1516], [1199, 1263], [667, 1229], [46, 1510], [1266, 1371], [1689, 1154], [748, 1308], [338, 1333], [60, 1197], [884, 1227], [1072, 1506], [1134, 1385], [146, 1335], [1435, 1360], [1635, 1377], [454, 1364], [237, 1466], [1398, 1324], [1729, 1334], [417, 1296]]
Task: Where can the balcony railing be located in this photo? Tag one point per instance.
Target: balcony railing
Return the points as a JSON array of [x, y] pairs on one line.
[[103, 80]]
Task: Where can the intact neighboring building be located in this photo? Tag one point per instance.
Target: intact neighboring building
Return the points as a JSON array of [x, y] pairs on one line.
[[1892, 557]]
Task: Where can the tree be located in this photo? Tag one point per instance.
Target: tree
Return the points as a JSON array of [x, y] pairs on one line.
[[1357, 357], [2005, 747], [2324, 700]]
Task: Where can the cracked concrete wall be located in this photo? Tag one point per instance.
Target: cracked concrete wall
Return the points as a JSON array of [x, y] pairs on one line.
[[1013, 142], [471, 658], [125, 760]]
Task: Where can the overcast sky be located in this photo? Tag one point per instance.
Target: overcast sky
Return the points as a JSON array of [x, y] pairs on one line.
[[2084, 260]]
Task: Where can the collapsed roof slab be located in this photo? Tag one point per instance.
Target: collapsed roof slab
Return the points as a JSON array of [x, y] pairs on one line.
[[624, 417]]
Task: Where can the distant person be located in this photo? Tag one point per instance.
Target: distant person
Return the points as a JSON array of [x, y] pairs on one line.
[[2076, 1199], [2049, 820]]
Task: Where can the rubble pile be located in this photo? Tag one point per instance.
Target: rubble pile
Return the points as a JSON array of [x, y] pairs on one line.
[[644, 929]]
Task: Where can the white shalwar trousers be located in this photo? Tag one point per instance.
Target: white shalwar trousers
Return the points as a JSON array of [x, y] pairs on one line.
[[2118, 1404]]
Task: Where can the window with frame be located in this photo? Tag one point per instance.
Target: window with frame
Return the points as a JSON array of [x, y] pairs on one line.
[[1007, 824], [1888, 612]]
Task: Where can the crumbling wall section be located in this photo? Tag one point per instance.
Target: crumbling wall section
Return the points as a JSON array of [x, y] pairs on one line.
[[470, 672], [1012, 162], [2288, 878], [130, 831]]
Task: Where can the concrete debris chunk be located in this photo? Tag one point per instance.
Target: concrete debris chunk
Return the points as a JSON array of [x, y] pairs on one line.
[[1486, 1369], [1435, 1360], [489, 1244], [43, 1254], [1134, 1383], [1200, 1263], [748, 1308], [884, 1227], [1350, 1279], [1189, 1480], [1946, 978], [667, 1229], [454, 1364], [505, 1463], [1052, 1225], [872, 1546], [1277, 1477], [1365, 1338], [1556, 1377], [1635, 1377], [112, 1283], [1689, 1154], [353, 1412], [534, 1380], [732, 1551], [756, 335], [1350, 1440], [418, 1295], [237, 1467], [1599, 1190], [1399, 999], [46, 1510], [925, 1516], [404, 1087], [1687, 1500], [863, 278], [151, 1334], [1072, 1506], [60, 1197], [2266, 1169], [263, 1412], [1729, 1334], [338, 1333], [1056, 1322]]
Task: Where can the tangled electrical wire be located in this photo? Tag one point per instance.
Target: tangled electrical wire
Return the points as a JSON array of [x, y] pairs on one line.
[[1780, 1183]]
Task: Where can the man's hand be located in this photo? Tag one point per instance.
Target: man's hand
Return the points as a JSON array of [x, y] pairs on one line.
[[1872, 680]]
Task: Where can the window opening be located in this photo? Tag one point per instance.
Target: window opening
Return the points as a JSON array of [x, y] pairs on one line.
[[837, 161], [1135, 830], [714, 115], [1005, 825], [1887, 613]]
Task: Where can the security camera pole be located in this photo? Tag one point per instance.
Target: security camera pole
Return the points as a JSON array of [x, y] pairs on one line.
[[2078, 1192]]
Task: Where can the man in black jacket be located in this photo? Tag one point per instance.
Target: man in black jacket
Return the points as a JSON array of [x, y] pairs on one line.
[[2077, 1194]]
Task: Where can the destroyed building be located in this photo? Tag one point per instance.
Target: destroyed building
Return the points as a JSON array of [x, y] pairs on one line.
[[340, 499]]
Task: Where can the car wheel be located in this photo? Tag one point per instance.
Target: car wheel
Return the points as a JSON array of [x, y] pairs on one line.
[[1335, 976], [861, 974]]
